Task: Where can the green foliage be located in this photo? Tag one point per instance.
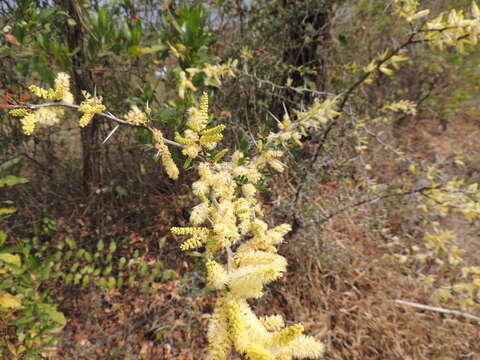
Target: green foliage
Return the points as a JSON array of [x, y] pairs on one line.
[[24, 306], [106, 265]]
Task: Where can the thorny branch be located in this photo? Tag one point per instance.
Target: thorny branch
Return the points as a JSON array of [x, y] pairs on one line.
[[107, 115]]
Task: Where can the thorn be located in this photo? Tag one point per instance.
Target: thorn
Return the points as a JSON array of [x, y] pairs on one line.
[[110, 134], [271, 114]]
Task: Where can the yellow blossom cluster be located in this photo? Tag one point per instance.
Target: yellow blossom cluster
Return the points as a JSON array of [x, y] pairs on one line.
[[230, 217], [382, 62], [320, 113], [136, 116], [60, 92], [89, 107], [212, 75], [166, 156], [197, 135], [184, 84], [440, 199], [235, 325], [47, 115], [405, 106], [408, 10], [454, 29]]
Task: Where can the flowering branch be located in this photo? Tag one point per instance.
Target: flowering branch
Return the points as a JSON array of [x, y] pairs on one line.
[[107, 115]]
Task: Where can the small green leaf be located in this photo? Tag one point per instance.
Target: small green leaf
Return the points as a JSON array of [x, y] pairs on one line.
[[71, 243], [120, 191], [11, 180], [3, 237], [55, 315], [85, 280], [88, 256], [10, 163], [131, 279], [68, 279], [112, 247], [143, 268], [107, 259], [100, 245], [79, 253], [77, 278], [107, 270]]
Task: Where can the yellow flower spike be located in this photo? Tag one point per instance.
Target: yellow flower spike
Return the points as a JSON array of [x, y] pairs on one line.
[[236, 326], [183, 140], [136, 117], [89, 107], [42, 93], [194, 242], [256, 352], [216, 274], [197, 120], [200, 213], [219, 343], [28, 124], [191, 151], [184, 84], [208, 139], [220, 155], [62, 88], [283, 337], [204, 104], [273, 323], [167, 160], [19, 112], [188, 230]]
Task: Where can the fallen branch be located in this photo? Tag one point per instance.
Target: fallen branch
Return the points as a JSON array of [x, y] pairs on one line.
[[438, 309]]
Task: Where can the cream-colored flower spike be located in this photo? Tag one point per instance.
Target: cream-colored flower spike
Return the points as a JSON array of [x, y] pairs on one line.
[[46, 116], [228, 217]]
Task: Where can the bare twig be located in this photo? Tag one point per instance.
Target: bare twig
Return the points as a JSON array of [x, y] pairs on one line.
[[377, 198], [284, 87], [229, 258], [438, 309]]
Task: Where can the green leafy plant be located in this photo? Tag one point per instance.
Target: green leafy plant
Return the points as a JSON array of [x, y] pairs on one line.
[[27, 313]]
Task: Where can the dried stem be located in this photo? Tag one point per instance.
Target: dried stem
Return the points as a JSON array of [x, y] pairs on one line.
[[438, 309]]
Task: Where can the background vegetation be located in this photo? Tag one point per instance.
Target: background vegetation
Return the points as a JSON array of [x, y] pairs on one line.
[[88, 268]]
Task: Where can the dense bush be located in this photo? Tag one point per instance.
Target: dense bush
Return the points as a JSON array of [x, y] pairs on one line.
[[297, 78]]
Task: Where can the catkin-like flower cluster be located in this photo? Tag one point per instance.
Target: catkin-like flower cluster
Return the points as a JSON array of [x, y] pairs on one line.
[[317, 115], [48, 115], [167, 161], [228, 213], [454, 29], [89, 107], [137, 117], [198, 136]]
